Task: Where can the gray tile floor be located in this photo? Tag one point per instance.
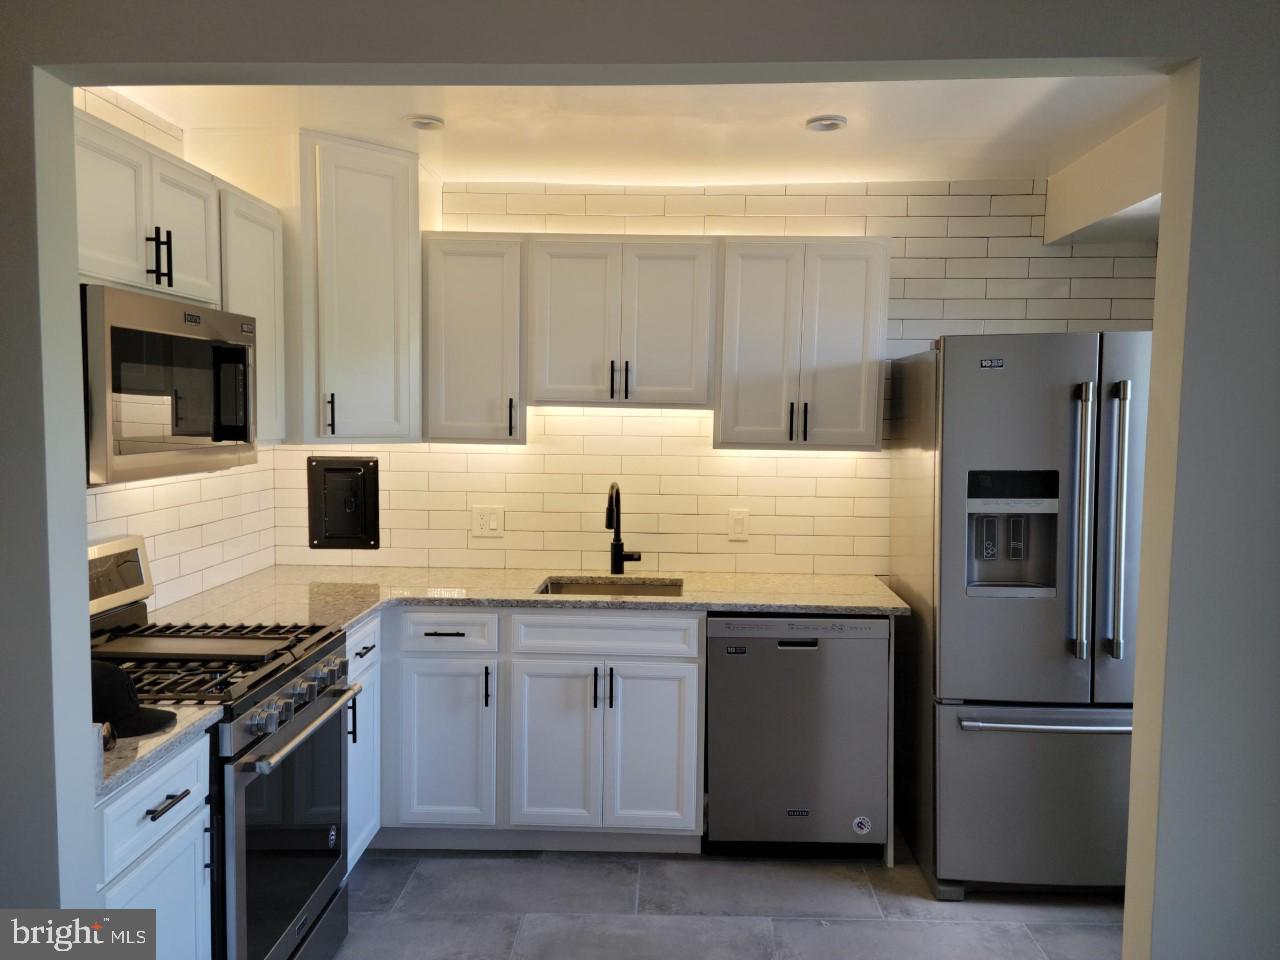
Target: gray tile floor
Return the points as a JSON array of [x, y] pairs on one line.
[[614, 907]]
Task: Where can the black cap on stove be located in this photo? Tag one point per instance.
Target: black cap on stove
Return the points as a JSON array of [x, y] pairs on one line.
[[116, 702]]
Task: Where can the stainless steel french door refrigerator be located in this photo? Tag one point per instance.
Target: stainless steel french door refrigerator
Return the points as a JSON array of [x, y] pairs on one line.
[[1016, 486]]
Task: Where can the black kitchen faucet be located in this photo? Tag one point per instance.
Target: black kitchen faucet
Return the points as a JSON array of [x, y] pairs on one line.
[[618, 554]]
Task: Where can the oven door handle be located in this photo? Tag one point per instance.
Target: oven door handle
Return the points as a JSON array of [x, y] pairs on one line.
[[268, 762]]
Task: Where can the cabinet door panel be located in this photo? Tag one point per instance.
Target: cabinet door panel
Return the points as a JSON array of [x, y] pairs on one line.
[[448, 741], [363, 768], [473, 340], [651, 745], [172, 879], [842, 344], [666, 322], [761, 342], [557, 732], [113, 205], [253, 285], [186, 203], [367, 270], [575, 291]]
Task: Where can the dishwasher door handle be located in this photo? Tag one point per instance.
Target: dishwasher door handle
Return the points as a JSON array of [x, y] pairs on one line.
[[797, 644]]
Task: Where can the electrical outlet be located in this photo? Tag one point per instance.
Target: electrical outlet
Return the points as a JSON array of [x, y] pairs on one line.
[[487, 521], [740, 524]]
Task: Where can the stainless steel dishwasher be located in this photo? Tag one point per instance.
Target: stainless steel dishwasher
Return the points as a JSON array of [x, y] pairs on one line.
[[798, 730]]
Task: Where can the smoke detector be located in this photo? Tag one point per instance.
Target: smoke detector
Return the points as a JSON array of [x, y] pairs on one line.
[[825, 123], [424, 121]]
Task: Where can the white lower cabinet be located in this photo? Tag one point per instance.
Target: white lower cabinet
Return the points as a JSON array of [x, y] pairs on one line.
[[557, 738], [448, 741], [604, 744], [364, 814], [172, 879], [651, 745]]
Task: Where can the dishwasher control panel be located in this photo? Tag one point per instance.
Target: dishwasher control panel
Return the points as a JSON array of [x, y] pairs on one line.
[[869, 628]]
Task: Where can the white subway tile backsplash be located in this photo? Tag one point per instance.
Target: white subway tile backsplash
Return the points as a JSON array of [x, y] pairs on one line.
[[949, 247], [561, 204], [773, 206], [625, 206], [726, 205], [991, 186], [907, 227], [1133, 287], [839, 206], [988, 226], [947, 206], [1012, 267], [1030, 205]]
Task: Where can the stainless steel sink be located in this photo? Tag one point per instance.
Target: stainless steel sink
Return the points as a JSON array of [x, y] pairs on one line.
[[613, 586]]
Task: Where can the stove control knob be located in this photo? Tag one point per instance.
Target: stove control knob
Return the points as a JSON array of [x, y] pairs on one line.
[[258, 723], [271, 718], [309, 691], [286, 709], [339, 667]]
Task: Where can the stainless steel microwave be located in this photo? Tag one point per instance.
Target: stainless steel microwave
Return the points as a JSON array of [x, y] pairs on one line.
[[169, 386]]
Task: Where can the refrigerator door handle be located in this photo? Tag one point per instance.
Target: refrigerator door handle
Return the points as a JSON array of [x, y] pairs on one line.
[[1119, 519], [1084, 513], [984, 726]]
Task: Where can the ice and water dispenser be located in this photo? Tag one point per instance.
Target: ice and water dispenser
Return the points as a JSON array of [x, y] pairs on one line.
[[1013, 533]]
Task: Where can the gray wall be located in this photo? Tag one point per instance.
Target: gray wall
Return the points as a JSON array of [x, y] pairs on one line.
[[1219, 773]]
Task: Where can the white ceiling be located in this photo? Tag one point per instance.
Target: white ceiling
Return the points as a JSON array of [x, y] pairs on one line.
[[737, 133]]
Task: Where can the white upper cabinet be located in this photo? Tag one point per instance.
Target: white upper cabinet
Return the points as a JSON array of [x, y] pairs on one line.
[[113, 204], [253, 285], [763, 295], [614, 321], [667, 318], [575, 296], [185, 202], [143, 217], [473, 339], [360, 204], [803, 344], [842, 343]]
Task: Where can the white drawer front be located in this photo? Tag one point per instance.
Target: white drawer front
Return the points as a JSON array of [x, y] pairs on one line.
[[128, 829], [659, 636], [364, 645], [435, 631]]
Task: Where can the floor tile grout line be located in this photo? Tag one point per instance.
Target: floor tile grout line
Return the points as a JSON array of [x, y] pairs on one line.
[[874, 896], [639, 868], [1039, 947], [516, 939], [409, 879]]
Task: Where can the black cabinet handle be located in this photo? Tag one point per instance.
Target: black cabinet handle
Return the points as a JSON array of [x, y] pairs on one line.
[[511, 416], [626, 380], [595, 688], [791, 421], [171, 800], [445, 633], [333, 414], [804, 429], [486, 684], [611, 688], [612, 365], [159, 272], [355, 719], [365, 651]]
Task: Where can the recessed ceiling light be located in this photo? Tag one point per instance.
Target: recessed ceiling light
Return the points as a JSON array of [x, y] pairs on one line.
[[827, 122], [424, 121]]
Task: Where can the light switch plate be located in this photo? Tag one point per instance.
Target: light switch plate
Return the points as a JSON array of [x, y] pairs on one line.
[[488, 521], [740, 524]]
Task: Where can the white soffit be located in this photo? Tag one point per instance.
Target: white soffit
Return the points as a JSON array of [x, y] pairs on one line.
[[692, 134]]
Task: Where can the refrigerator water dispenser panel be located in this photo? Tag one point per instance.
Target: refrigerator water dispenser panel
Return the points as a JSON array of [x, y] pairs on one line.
[[1013, 534]]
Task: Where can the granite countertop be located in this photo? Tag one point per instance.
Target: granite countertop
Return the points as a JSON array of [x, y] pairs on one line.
[[344, 595], [133, 756], [347, 595]]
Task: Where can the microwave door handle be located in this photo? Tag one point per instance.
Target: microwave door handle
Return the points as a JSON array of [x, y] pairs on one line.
[[269, 761], [1083, 518], [1119, 520]]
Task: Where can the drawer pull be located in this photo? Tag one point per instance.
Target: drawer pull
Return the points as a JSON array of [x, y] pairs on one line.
[[445, 633], [365, 651], [171, 800], [979, 726]]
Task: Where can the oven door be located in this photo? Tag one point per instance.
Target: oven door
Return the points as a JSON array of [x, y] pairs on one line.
[[286, 834]]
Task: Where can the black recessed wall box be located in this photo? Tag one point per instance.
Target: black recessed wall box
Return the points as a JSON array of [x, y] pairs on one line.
[[342, 503]]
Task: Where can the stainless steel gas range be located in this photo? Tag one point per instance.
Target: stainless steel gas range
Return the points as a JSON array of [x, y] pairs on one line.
[[279, 756]]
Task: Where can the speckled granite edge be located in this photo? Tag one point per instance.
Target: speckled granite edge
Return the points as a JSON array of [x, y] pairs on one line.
[[823, 607], [134, 756]]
